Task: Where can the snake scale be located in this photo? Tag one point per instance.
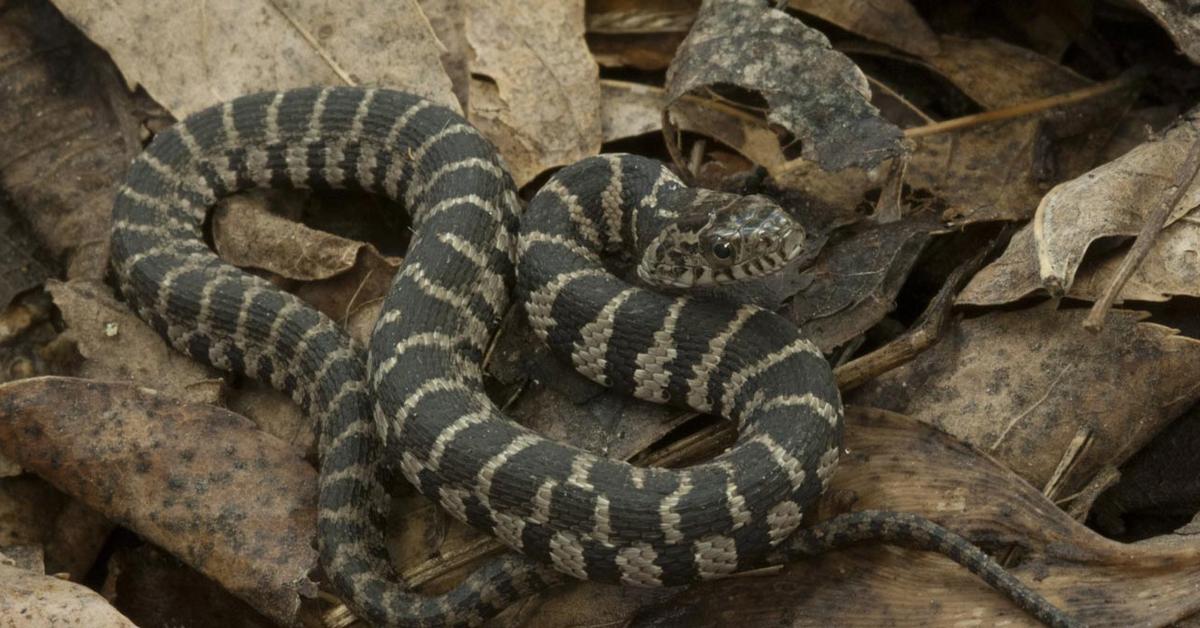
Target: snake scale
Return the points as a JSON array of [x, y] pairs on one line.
[[415, 395]]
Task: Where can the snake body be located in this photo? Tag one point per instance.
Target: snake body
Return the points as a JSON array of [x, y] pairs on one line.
[[416, 397]]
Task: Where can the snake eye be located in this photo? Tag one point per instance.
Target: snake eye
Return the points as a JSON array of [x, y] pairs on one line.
[[722, 250]]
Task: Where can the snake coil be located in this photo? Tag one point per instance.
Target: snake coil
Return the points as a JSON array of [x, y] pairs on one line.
[[416, 396]]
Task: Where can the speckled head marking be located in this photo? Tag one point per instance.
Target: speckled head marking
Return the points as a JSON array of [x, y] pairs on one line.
[[720, 238]]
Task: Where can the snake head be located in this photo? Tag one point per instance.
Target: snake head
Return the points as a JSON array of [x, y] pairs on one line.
[[721, 238]]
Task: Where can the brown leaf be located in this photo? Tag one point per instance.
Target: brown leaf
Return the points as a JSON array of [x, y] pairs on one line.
[[629, 109], [895, 463], [30, 599], [200, 482], [117, 345], [537, 97], [996, 74], [745, 44], [892, 22], [61, 166], [1023, 385], [226, 48]]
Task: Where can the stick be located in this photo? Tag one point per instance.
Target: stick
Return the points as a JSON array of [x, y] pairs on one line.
[[1025, 108]]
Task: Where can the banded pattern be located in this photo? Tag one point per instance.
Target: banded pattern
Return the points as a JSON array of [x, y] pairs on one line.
[[668, 527], [422, 379], [215, 313]]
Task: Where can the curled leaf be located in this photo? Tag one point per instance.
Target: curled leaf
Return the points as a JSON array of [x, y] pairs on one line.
[[811, 91]]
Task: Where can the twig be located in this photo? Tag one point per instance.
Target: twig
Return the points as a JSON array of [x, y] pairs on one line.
[[1145, 238], [1026, 108]]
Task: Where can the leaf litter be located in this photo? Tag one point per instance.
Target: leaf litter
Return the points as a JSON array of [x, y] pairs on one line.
[[923, 136]]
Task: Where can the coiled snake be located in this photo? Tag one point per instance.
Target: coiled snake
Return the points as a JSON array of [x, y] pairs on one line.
[[422, 380]]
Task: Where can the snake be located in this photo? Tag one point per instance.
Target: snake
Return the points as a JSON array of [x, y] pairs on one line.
[[414, 398]]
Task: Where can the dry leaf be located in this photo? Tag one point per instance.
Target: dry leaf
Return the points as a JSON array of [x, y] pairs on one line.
[[536, 94], [895, 463], [191, 56], [248, 235], [744, 43], [21, 269], [1110, 200], [1022, 385], [30, 599], [200, 482], [117, 345], [892, 22], [60, 168]]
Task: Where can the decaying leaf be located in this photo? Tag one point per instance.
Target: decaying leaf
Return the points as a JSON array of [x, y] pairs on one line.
[[117, 345], [448, 18], [1111, 200], [744, 43], [200, 482], [537, 91], [1023, 385], [892, 22], [894, 463], [61, 167], [31, 599], [206, 53]]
